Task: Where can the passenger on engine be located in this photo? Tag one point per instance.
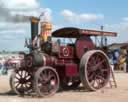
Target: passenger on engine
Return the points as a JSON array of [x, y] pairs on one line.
[[47, 46]]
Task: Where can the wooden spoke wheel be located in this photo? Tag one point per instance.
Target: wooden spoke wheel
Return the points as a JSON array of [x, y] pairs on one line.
[[46, 81], [94, 70], [21, 82]]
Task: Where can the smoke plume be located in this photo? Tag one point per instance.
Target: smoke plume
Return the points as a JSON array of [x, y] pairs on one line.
[[6, 15]]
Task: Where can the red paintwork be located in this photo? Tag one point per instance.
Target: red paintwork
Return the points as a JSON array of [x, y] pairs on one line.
[[71, 70], [82, 45], [50, 61], [66, 52], [62, 61]]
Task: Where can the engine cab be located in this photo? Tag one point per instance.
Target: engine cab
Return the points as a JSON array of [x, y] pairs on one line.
[[75, 46]]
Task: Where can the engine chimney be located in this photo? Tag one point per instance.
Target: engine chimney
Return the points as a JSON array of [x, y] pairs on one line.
[[34, 27]]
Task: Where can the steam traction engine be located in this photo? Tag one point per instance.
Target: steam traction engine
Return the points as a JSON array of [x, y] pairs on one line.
[[52, 64]]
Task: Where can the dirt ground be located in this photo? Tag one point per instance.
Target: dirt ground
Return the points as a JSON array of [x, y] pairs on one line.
[[107, 94]]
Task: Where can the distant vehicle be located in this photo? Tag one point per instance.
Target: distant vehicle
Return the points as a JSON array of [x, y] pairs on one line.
[[12, 63]]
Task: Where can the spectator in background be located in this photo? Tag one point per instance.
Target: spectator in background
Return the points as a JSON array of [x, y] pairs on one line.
[[127, 62], [4, 71], [5, 67], [1, 65], [122, 60], [116, 55]]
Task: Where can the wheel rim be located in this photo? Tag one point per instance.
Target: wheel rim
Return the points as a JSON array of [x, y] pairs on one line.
[[97, 71], [21, 82], [94, 70], [47, 82]]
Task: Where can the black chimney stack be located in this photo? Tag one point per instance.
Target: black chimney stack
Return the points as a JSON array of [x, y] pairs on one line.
[[34, 27]]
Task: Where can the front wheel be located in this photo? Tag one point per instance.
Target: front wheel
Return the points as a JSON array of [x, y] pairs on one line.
[[46, 81], [21, 82]]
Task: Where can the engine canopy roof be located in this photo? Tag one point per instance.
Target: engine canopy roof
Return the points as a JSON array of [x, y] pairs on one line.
[[71, 32]]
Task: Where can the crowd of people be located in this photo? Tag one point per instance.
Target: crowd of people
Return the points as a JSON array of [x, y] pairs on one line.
[[119, 59]]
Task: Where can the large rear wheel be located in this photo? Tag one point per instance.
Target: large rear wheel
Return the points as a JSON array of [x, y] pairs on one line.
[[94, 70]]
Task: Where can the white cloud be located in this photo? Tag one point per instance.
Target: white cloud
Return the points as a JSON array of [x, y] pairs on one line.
[[7, 25], [46, 14], [21, 4], [17, 31], [14, 21], [125, 19], [81, 18], [14, 31], [55, 27], [12, 34], [68, 13], [121, 28], [20, 10]]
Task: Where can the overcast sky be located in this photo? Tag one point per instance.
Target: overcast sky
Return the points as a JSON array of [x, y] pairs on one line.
[[88, 14]]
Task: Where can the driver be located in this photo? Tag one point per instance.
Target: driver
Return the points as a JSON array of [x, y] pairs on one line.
[[47, 46]]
